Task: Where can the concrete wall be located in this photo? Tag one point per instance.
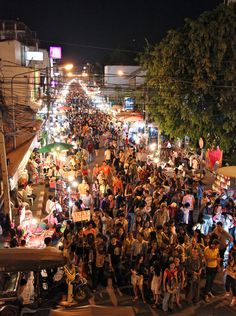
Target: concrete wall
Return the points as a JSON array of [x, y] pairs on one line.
[[20, 86], [11, 51], [24, 88]]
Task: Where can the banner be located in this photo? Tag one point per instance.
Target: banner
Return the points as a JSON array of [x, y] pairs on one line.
[[214, 158], [81, 216]]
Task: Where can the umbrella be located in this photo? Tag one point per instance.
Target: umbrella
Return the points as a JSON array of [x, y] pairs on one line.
[[229, 171], [132, 119], [117, 107], [64, 108], [55, 147]]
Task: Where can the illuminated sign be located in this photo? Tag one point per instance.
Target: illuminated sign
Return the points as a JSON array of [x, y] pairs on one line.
[[55, 52], [37, 56], [129, 103]]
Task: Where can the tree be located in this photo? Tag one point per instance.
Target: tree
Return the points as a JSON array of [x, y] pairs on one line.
[[192, 79]]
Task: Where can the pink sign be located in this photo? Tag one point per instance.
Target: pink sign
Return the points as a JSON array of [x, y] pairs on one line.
[[55, 52]]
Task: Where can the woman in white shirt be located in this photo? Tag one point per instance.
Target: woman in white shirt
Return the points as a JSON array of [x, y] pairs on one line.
[[185, 210]]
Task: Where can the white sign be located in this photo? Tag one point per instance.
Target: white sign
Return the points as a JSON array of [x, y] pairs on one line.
[[81, 216], [37, 56]]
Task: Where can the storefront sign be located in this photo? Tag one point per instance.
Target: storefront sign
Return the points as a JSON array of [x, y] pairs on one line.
[[55, 52], [129, 103], [37, 56]]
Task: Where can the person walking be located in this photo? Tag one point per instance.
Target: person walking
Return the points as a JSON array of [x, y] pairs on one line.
[[212, 259], [170, 286], [224, 239], [230, 280]]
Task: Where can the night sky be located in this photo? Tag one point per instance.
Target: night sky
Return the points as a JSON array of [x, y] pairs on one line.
[[101, 23]]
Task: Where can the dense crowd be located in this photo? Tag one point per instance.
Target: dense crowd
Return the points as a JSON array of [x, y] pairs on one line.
[[158, 229]]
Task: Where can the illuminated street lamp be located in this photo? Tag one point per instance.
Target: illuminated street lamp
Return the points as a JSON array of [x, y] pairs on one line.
[[120, 72], [68, 67]]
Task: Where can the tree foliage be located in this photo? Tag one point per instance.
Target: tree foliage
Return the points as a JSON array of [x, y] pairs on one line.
[[191, 77]]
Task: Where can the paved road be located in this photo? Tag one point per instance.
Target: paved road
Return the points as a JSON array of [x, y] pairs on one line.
[[219, 306]]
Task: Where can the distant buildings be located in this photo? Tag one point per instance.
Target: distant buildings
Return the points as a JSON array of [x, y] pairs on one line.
[[22, 85], [120, 82]]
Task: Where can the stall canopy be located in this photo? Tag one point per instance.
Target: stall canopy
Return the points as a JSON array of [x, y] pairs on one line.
[[117, 107], [229, 171], [18, 160], [95, 310], [54, 147], [133, 119], [64, 108]]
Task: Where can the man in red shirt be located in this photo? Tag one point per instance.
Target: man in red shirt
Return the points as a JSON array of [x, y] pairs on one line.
[[106, 169]]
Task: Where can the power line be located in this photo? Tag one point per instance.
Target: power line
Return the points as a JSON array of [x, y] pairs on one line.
[[92, 47]]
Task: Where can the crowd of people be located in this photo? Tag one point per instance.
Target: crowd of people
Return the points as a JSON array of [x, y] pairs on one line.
[[159, 230]]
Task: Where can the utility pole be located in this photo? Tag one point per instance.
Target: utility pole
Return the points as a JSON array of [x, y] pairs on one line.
[[48, 98], [6, 188]]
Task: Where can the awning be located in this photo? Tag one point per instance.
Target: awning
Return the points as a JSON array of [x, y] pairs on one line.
[[229, 171], [18, 160]]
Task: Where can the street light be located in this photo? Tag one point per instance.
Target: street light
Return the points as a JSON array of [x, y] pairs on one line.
[[120, 72], [68, 67]]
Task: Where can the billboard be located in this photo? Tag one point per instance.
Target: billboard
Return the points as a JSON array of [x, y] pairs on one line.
[[55, 52], [129, 103], [37, 56]]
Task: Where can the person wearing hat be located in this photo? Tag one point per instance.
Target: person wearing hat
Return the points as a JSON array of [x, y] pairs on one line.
[[212, 258]]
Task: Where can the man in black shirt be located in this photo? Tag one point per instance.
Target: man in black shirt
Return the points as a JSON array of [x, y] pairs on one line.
[[114, 257]]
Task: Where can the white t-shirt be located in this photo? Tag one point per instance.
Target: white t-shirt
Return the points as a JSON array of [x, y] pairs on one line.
[[49, 206], [87, 200], [107, 154], [186, 215]]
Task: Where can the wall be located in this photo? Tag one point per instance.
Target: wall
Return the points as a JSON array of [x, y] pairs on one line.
[[11, 51], [23, 88], [26, 86]]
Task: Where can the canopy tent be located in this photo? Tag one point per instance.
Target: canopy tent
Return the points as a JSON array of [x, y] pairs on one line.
[[95, 310], [64, 108], [228, 171], [128, 113], [117, 107], [131, 119], [55, 147], [19, 159]]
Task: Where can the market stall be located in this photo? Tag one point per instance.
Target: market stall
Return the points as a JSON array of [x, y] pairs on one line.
[[225, 180]]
